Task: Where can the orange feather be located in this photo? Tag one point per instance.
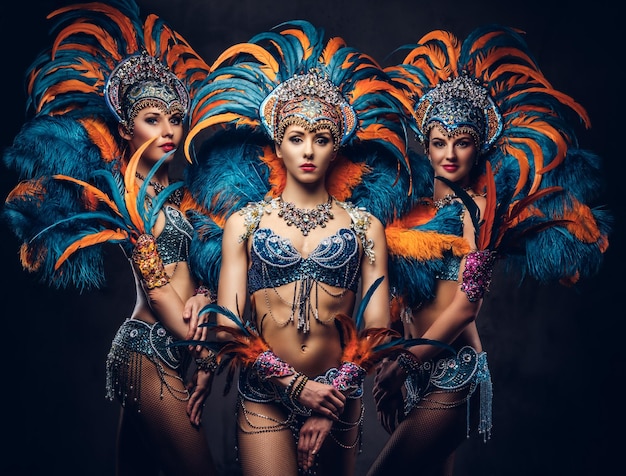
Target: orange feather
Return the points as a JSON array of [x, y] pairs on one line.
[[90, 240], [333, 45], [131, 187], [27, 187], [423, 245], [345, 176], [303, 38], [97, 193], [268, 64], [211, 121], [100, 134], [31, 257], [359, 347]]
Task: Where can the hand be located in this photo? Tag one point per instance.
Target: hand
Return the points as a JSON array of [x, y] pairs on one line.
[[323, 399], [312, 435], [387, 393], [193, 306], [391, 412], [200, 388]]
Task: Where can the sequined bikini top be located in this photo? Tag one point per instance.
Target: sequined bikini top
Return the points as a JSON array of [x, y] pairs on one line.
[[275, 261], [451, 265], [173, 241], [336, 261]]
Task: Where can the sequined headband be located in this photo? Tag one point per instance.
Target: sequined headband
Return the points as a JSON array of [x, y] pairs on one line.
[[312, 101], [142, 81], [460, 105]]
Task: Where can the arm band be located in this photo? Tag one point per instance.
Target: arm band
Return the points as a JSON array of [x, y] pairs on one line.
[[149, 263], [349, 378], [408, 362], [208, 363], [268, 365], [477, 273]]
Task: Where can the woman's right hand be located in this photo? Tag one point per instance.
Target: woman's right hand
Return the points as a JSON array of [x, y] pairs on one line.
[[323, 399], [191, 315]]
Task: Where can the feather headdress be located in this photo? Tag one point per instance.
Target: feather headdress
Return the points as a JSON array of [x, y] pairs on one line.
[[540, 187], [73, 135], [243, 101]]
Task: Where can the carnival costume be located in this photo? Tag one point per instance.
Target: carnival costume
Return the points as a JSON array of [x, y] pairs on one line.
[[539, 188], [78, 192], [291, 75]]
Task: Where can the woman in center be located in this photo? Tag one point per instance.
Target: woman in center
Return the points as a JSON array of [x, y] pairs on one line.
[[291, 187], [301, 256]]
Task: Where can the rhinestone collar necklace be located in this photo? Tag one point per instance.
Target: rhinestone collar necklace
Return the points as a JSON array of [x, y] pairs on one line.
[[174, 198], [304, 218], [447, 199]]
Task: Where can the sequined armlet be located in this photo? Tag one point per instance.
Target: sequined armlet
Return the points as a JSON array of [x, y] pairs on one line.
[[360, 223]]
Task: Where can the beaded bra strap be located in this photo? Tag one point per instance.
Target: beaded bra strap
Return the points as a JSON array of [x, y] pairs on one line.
[[253, 212], [360, 223]]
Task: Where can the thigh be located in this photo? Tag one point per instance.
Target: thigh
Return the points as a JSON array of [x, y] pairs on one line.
[[339, 451], [134, 457], [425, 440], [159, 414], [265, 440]]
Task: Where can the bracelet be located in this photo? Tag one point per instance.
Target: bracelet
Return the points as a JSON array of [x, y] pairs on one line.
[[349, 378], [202, 289], [408, 363], [208, 363], [298, 390], [291, 382]]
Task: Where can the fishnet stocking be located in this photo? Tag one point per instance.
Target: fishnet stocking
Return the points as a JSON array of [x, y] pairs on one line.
[[267, 445], [156, 433], [424, 443]]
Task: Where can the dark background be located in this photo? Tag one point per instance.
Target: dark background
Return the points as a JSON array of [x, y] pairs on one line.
[[555, 353]]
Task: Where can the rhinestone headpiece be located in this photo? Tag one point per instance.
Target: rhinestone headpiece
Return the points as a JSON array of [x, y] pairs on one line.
[[460, 105], [142, 81], [312, 101]]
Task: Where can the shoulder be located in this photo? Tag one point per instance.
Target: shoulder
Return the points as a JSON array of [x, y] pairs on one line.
[[365, 225], [247, 219], [361, 218]]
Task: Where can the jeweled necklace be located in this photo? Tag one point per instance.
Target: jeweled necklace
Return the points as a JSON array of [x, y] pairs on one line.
[[174, 198], [306, 219], [442, 202], [447, 199]]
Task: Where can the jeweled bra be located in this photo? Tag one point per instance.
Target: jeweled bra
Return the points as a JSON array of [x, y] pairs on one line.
[[336, 261], [275, 261], [173, 241]]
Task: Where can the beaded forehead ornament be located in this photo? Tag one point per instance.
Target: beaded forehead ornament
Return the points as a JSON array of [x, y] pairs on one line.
[[142, 81], [457, 106], [312, 101]]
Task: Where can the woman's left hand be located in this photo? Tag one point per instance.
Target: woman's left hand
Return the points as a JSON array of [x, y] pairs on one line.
[[312, 435], [387, 393], [199, 394]]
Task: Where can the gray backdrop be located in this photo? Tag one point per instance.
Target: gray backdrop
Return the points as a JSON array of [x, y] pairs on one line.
[[554, 352]]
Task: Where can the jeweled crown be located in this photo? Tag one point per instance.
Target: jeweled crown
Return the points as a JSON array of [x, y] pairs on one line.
[[141, 81], [310, 100], [460, 105]]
